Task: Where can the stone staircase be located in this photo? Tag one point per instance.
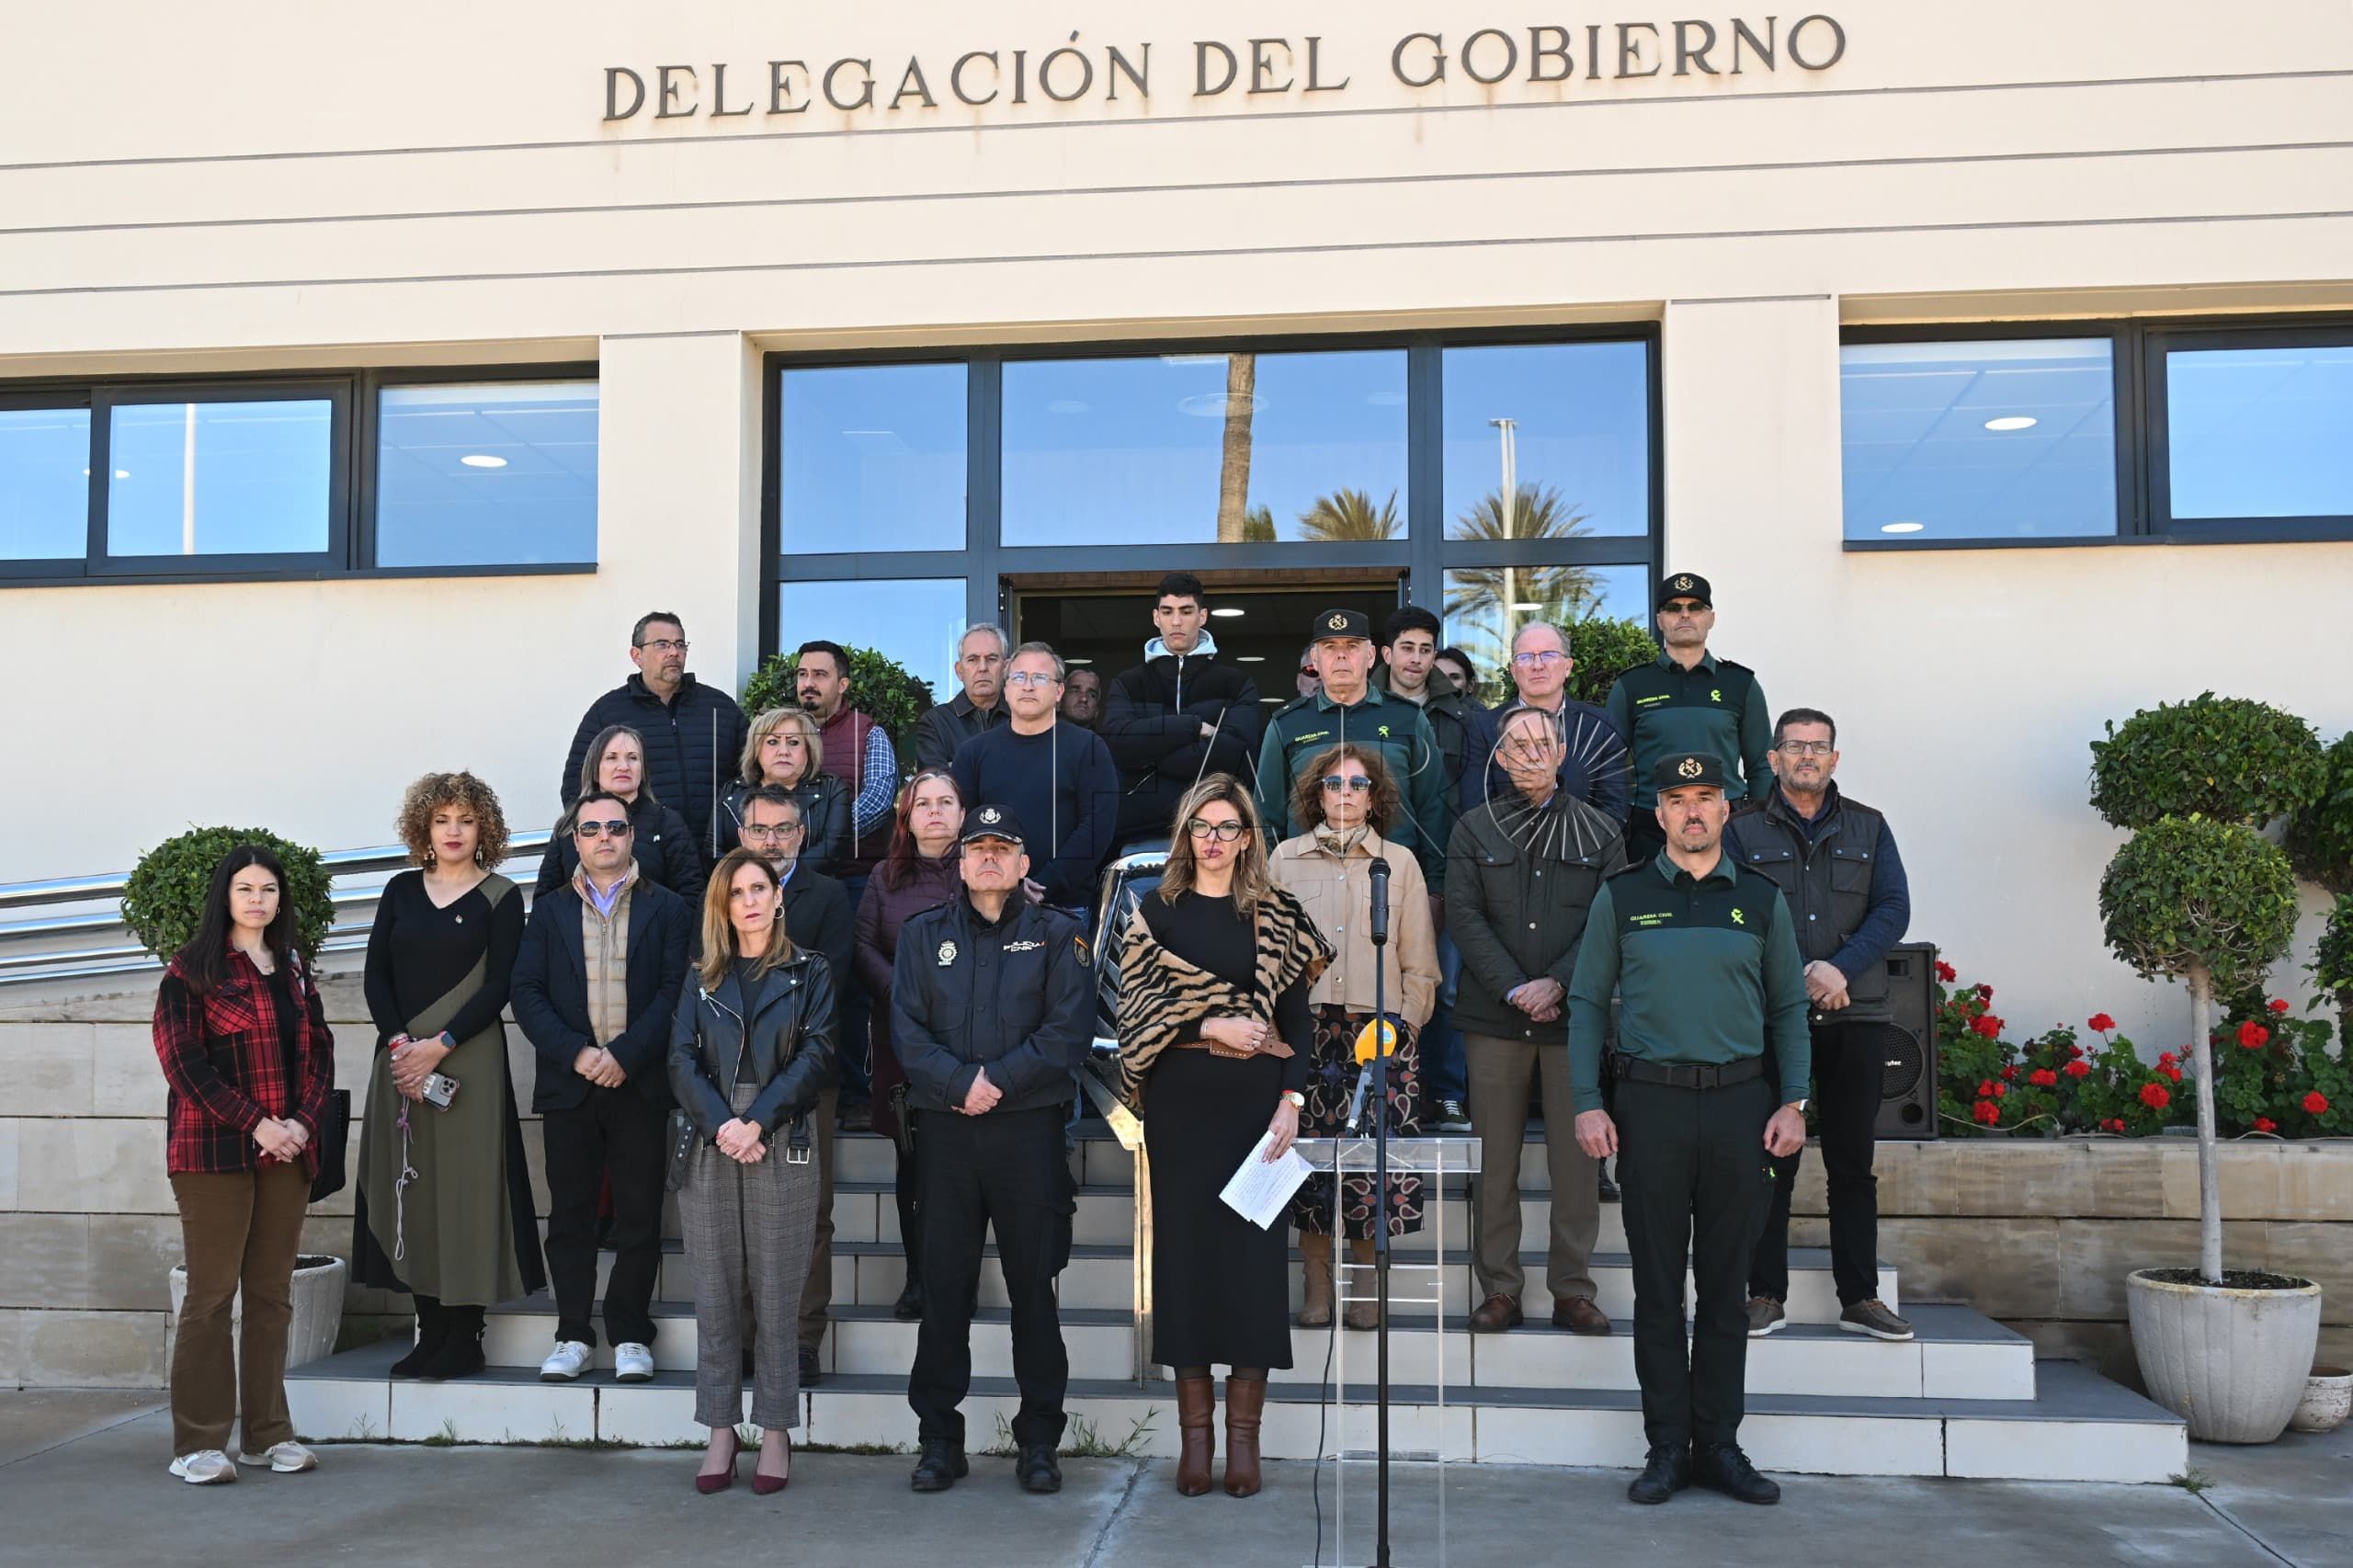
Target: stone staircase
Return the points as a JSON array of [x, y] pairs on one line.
[[1966, 1398]]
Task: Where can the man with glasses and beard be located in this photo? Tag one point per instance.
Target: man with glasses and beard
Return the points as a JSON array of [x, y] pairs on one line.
[[1689, 700], [1834, 860]]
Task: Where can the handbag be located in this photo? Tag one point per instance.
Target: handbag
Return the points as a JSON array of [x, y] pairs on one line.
[[682, 1136], [334, 1137]]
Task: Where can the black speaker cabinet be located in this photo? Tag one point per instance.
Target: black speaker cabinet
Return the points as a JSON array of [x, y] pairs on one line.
[[1907, 1107]]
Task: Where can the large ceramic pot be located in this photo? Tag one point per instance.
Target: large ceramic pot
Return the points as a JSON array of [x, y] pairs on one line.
[[318, 1308], [2228, 1360]]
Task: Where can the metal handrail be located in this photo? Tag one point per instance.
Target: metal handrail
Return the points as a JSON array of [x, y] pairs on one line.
[[130, 958]]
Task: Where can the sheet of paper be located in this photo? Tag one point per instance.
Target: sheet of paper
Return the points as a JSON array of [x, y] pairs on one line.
[[1261, 1189]]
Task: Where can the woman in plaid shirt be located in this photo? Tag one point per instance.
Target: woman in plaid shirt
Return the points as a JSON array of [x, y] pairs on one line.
[[244, 1048]]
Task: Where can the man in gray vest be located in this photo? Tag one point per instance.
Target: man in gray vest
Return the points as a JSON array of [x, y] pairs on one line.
[[1834, 861]]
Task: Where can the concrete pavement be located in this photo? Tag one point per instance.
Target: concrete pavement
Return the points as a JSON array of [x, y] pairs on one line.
[[82, 1480]]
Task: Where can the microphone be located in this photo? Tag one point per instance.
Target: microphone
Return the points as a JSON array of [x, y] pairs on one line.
[[1378, 1037], [1380, 901]]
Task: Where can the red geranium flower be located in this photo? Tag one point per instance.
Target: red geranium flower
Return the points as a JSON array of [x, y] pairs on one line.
[[1986, 1113], [1989, 1026], [2010, 1074], [2317, 1103], [2079, 1069], [2157, 1096], [1985, 1087], [1985, 991], [2043, 1078], [2102, 1023], [1946, 972], [2167, 1059], [2265, 1124], [2077, 1052], [2279, 1004], [2254, 1036], [2173, 1073], [2116, 1124], [2000, 1090]]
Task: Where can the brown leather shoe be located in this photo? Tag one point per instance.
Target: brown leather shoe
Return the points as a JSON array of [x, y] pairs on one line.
[[1197, 1436], [1496, 1314], [1246, 1404], [1579, 1316]]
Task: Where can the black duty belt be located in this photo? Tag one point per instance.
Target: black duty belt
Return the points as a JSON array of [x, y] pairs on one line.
[[1685, 1076]]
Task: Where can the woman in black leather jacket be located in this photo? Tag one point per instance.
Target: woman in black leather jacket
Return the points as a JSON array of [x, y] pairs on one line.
[[783, 749], [751, 1050]]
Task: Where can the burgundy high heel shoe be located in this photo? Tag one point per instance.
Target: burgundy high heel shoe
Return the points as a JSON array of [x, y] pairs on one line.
[[707, 1484], [765, 1485]]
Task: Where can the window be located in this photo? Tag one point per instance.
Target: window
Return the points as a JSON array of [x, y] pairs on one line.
[[44, 483], [2257, 428], [914, 620], [871, 457], [486, 473], [1565, 427], [1234, 448], [1979, 440], [221, 478]]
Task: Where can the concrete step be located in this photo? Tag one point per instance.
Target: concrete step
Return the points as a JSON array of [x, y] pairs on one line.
[[2078, 1428]]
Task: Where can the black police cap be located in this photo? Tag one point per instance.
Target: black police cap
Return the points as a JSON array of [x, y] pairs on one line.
[[1341, 623], [1687, 768], [1684, 586], [992, 821]]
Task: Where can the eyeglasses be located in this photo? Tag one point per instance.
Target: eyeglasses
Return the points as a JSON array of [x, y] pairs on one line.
[[1682, 607], [619, 829], [1807, 748], [770, 829], [1031, 678], [1545, 659], [666, 645], [1354, 783], [1223, 832]]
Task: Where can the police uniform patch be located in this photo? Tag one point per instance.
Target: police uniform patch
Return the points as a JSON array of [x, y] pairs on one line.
[[1690, 768], [991, 815], [947, 954], [1079, 951], [1683, 584], [1738, 918], [1339, 622]]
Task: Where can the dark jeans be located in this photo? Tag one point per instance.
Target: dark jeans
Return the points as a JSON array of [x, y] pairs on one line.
[[1691, 1165], [1847, 1081], [616, 1132], [1445, 1072], [852, 1048], [1006, 1172]]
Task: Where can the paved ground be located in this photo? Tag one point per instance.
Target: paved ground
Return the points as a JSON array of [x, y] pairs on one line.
[[82, 1480]]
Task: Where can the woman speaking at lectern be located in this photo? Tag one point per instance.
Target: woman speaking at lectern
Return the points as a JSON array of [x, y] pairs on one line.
[[1213, 1038]]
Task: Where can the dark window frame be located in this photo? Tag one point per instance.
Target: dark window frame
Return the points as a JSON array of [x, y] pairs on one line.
[[1420, 560], [2142, 456], [352, 473]]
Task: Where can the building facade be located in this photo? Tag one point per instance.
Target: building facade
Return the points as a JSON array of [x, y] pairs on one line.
[[1996, 365]]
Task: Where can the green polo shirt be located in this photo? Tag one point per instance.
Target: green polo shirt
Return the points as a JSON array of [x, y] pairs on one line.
[[1706, 972], [1664, 710], [1395, 729]]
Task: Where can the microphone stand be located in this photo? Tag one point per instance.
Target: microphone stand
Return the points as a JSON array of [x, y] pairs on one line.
[[1380, 930]]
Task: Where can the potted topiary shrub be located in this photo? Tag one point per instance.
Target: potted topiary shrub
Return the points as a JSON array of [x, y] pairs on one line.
[[2198, 895], [880, 687], [163, 899]]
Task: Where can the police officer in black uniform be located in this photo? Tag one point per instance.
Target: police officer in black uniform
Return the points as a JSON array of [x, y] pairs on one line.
[[1705, 963], [992, 1006]]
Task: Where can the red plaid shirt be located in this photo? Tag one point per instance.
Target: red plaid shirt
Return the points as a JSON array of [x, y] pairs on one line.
[[227, 1069]]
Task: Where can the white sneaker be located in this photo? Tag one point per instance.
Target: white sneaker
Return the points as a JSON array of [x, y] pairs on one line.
[[286, 1458], [565, 1362], [205, 1467], [632, 1363]]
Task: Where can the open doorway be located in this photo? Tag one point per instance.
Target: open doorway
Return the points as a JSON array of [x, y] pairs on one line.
[[1260, 623]]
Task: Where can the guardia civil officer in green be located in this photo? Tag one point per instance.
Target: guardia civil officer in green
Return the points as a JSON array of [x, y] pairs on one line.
[[1346, 706], [1686, 699], [1704, 958]]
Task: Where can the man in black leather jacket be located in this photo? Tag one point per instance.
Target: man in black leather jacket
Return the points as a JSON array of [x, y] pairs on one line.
[[992, 1007]]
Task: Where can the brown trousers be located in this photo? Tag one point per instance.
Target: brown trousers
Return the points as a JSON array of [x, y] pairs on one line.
[[1501, 1073], [237, 1231]]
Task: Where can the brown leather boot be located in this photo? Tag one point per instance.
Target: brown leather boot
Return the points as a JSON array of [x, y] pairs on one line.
[[1364, 1312], [1315, 1268], [1196, 1416], [1245, 1403]]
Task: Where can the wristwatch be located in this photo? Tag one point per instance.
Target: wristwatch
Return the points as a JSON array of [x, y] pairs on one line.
[[1798, 1105], [1298, 1101]]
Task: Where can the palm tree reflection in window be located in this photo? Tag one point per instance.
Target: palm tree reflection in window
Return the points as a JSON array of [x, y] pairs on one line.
[[1491, 603], [1348, 514]]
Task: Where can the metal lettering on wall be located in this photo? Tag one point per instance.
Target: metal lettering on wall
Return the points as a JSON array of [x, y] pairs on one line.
[[874, 89]]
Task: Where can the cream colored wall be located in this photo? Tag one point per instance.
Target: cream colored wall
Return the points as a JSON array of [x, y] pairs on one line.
[[437, 185]]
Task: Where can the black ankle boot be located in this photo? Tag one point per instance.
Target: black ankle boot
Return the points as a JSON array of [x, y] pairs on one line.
[[1668, 1472], [1723, 1468], [460, 1354], [432, 1334]]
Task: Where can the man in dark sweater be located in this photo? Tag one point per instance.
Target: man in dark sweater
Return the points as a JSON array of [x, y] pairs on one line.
[[1055, 777], [1179, 714], [979, 668], [694, 733]]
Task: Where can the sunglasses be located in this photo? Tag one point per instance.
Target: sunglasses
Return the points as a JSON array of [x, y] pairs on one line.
[[1223, 832], [1354, 783], [616, 829]]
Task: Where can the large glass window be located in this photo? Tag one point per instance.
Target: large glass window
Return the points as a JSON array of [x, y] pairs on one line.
[[871, 457], [1486, 606], [1979, 438], [488, 473], [2260, 432], [916, 620], [221, 478], [1563, 427], [44, 483], [1182, 449]]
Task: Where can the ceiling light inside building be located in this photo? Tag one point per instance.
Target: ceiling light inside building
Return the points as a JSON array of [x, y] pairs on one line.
[[1526, 609], [1250, 658], [1226, 610], [2012, 421], [481, 459], [1078, 661], [1901, 528]]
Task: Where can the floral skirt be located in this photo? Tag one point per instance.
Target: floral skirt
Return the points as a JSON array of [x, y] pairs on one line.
[[1331, 1084]]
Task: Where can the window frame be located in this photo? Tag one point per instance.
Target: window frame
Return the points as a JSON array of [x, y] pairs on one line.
[[2144, 482], [354, 431]]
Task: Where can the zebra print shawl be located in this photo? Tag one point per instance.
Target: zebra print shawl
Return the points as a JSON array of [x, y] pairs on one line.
[[1161, 994]]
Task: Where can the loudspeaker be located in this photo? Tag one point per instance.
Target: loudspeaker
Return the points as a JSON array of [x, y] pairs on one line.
[[1907, 1045]]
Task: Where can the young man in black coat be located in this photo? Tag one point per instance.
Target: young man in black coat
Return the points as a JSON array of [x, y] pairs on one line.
[[694, 733], [1178, 715], [596, 986]]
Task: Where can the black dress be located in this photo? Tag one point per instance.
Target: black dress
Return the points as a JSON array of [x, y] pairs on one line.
[[1219, 1284]]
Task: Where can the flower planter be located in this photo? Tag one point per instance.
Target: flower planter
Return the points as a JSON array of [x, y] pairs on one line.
[[317, 1291], [2230, 1359], [2328, 1397]]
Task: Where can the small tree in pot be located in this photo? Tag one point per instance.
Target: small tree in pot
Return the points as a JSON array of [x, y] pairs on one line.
[[2199, 894]]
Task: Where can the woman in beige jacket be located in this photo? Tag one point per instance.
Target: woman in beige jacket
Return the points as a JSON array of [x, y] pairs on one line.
[[1347, 799]]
